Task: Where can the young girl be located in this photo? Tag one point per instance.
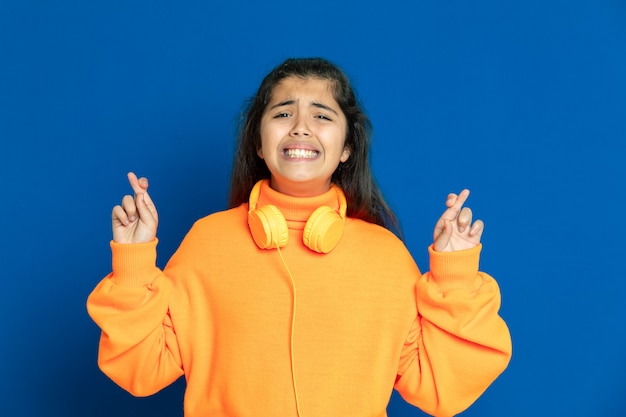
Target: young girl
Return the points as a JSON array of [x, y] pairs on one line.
[[299, 300]]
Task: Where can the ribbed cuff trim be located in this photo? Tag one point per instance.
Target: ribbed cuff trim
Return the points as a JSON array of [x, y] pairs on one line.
[[458, 269], [134, 264]]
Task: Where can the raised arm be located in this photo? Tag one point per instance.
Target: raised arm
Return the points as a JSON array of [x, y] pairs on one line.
[[459, 344], [138, 347]]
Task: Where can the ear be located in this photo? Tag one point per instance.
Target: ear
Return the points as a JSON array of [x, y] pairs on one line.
[[345, 154], [260, 152]]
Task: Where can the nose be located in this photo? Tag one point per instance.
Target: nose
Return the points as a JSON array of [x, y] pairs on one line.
[[300, 127]]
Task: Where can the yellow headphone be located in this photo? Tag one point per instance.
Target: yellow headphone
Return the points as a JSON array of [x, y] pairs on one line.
[[322, 230]]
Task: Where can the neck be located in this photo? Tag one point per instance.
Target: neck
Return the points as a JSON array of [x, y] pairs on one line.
[[300, 189]]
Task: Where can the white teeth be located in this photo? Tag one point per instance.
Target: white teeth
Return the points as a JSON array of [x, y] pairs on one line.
[[300, 153]]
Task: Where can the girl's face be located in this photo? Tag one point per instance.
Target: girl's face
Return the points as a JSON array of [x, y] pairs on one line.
[[303, 133]]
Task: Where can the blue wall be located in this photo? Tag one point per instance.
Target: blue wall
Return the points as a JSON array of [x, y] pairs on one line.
[[523, 102]]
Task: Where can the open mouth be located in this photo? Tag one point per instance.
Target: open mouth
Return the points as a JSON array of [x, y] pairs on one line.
[[300, 153]]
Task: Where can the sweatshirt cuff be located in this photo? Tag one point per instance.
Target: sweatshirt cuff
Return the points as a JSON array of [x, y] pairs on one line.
[[134, 264], [458, 269]]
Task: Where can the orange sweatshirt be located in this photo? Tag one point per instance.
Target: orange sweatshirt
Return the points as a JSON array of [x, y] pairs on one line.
[[353, 324]]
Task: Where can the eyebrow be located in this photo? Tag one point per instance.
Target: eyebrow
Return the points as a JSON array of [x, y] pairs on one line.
[[314, 104]]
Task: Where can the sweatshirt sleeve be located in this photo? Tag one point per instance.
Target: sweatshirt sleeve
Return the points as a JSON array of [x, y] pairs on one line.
[[138, 348], [458, 344]]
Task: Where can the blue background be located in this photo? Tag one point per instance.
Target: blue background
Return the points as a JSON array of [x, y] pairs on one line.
[[522, 102]]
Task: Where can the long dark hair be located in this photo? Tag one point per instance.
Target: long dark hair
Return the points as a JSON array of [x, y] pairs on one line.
[[354, 177]]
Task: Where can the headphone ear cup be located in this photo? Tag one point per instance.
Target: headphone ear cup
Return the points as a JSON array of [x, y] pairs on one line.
[[268, 227], [323, 230]]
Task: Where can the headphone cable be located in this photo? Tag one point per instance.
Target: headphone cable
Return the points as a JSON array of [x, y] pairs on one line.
[[293, 327]]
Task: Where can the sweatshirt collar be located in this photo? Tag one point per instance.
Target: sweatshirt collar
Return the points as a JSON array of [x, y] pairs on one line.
[[297, 210]]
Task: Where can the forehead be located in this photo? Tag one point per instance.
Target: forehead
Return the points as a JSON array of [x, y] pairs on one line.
[[303, 88]]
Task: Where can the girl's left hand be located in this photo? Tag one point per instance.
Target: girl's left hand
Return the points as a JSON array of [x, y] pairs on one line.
[[454, 230]]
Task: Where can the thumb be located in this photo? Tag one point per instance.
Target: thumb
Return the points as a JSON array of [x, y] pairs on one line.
[[444, 237], [147, 212]]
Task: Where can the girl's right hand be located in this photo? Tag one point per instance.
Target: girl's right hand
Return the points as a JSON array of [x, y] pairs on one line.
[[136, 219]]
